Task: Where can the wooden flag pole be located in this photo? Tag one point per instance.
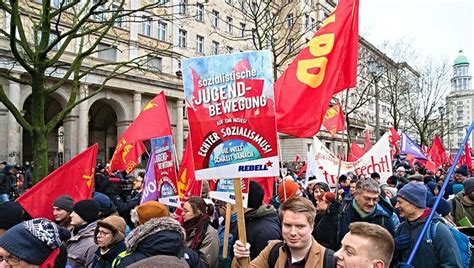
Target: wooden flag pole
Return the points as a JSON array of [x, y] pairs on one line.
[[240, 219], [228, 213]]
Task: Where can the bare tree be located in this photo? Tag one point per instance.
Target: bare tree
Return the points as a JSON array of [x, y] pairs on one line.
[[425, 98], [42, 35], [279, 26]]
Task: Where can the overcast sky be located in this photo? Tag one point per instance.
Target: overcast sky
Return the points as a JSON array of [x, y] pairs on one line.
[[435, 28]]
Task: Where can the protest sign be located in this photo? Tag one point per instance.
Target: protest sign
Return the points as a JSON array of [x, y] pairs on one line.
[[231, 114], [377, 159], [225, 191], [165, 171]]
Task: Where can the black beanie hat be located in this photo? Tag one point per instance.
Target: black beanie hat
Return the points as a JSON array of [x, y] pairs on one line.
[[256, 195], [462, 170], [87, 209], [11, 214], [65, 202]]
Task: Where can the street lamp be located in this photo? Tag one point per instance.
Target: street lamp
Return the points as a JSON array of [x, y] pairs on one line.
[[376, 71], [441, 112]]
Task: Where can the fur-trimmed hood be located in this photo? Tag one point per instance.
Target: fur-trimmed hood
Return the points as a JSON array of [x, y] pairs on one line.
[[152, 227]]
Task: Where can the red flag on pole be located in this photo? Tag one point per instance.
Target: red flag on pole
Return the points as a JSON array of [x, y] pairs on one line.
[[356, 152], [152, 122], [187, 183], [467, 157], [437, 154], [74, 178], [367, 142], [334, 119], [394, 136], [327, 65]]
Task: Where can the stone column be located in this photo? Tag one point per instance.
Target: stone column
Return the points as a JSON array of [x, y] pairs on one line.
[[179, 128], [137, 104], [70, 136], [14, 129], [83, 131]]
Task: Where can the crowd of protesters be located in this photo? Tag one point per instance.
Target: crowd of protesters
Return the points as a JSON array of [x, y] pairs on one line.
[[360, 223]]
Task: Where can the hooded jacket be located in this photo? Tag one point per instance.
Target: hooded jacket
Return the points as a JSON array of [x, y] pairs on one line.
[[443, 252], [81, 247], [158, 236], [262, 225], [379, 216], [461, 208]]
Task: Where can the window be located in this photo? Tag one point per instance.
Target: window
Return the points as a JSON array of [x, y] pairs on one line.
[[306, 20], [199, 44], [146, 26], [118, 21], [107, 52], [229, 24], [229, 49], [242, 29], [215, 48], [162, 31], [155, 64], [228, 2], [182, 8], [53, 35], [215, 19], [290, 45], [182, 36], [313, 22], [162, 2], [289, 20], [100, 11], [200, 12]]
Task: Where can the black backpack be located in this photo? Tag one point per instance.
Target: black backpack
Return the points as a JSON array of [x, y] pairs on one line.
[[329, 259]]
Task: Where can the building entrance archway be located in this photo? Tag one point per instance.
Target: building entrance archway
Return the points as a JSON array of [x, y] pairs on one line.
[[103, 129]]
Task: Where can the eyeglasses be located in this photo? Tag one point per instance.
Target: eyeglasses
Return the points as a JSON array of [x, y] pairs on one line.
[[138, 180], [11, 260], [368, 199], [102, 233]]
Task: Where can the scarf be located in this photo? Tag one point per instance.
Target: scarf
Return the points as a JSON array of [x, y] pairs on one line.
[[361, 213], [198, 225]]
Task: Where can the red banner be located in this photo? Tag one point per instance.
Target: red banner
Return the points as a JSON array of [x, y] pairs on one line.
[[74, 178], [334, 119], [152, 122], [355, 153], [327, 65]]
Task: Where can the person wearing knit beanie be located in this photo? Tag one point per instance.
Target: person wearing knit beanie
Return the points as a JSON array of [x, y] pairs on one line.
[[87, 210], [11, 214], [287, 190], [81, 247], [109, 235], [33, 242], [468, 185], [62, 209], [461, 173], [255, 195], [414, 193], [106, 206], [444, 207], [150, 210]]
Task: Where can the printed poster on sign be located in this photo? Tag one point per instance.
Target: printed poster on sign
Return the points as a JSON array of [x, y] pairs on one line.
[[326, 166], [231, 114], [225, 191], [165, 171]]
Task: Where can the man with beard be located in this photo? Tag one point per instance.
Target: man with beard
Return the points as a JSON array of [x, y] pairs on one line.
[[463, 204]]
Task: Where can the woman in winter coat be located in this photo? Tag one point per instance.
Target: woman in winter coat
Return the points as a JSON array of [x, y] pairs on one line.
[[109, 237], [200, 235]]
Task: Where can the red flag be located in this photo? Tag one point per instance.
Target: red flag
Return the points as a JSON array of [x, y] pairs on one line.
[[367, 142], [334, 119], [394, 136], [74, 178], [437, 154], [327, 65], [297, 158], [356, 152], [187, 183], [467, 157], [152, 122]]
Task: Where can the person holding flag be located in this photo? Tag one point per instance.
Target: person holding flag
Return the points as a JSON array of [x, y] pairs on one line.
[[123, 207]]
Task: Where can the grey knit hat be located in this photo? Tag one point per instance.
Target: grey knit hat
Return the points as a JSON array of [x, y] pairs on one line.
[[414, 193], [65, 202]]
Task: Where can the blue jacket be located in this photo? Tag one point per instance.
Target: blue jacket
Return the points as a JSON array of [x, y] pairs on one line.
[[443, 252], [348, 215]]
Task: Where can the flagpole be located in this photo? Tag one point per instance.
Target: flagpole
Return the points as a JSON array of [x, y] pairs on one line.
[[441, 192]]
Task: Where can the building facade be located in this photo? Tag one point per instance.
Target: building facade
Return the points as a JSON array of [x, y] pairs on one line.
[[184, 29], [459, 104]]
